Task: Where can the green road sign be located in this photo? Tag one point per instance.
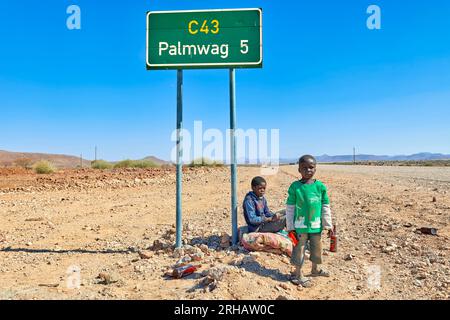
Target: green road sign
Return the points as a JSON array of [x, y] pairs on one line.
[[228, 38]]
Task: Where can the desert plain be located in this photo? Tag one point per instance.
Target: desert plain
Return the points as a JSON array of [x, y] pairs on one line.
[[110, 234]]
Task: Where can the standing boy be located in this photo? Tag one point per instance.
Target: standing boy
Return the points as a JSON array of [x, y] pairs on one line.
[[308, 213]]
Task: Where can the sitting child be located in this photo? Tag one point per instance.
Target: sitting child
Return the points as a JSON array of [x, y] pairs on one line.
[[257, 213]]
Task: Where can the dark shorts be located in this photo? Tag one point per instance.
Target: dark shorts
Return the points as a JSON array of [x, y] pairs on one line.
[[315, 248]]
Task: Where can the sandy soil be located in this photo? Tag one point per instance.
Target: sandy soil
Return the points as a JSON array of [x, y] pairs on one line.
[[117, 229]]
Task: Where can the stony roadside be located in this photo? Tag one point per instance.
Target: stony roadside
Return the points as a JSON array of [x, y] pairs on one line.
[[117, 228]]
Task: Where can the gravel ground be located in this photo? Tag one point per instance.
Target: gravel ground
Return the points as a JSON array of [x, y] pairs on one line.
[[115, 229]]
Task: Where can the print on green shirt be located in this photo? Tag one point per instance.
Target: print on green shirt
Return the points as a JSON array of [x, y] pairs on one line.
[[308, 200]]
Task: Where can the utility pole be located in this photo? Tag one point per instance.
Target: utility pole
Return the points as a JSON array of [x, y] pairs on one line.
[[354, 156]]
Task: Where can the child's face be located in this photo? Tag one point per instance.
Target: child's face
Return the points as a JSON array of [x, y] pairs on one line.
[[259, 190], [307, 169]]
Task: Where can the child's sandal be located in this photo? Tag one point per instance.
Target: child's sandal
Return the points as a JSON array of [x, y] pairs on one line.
[[321, 273], [305, 282]]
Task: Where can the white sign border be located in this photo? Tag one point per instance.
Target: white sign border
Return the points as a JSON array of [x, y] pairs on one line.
[[150, 66]]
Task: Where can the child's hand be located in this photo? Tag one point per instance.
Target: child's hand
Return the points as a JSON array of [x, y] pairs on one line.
[[330, 233]]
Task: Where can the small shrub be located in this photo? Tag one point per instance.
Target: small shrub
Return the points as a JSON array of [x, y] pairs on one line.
[[144, 164], [101, 164], [205, 162], [43, 167], [123, 164], [135, 164]]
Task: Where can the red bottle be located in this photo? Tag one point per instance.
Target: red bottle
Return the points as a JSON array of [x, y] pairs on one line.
[[292, 235], [333, 240], [184, 270]]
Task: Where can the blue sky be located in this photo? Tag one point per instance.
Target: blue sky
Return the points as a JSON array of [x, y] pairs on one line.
[[328, 82]]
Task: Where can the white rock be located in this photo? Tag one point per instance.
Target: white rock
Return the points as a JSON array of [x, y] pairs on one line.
[[389, 249], [348, 257], [178, 252]]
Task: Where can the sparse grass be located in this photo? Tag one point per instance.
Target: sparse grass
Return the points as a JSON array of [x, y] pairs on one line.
[[144, 164], [123, 164], [101, 164], [44, 167], [205, 162], [135, 164]]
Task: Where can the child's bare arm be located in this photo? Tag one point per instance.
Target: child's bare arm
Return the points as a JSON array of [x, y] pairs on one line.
[[327, 223], [290, 210]]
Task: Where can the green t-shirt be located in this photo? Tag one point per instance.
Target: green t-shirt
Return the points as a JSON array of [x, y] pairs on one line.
[[308, 200]]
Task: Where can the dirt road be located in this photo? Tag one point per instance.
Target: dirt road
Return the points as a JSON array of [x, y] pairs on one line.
[[96, 222]]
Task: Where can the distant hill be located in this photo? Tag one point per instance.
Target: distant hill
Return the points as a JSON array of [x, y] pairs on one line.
[[423, 156], [156, 160], [67, 161], [8, 159], [59, 160]]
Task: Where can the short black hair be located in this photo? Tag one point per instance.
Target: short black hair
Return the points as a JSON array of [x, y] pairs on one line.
[[257, 181], [305, 158]]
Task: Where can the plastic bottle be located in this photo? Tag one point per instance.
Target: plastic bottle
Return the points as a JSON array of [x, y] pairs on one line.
[[185, 270]]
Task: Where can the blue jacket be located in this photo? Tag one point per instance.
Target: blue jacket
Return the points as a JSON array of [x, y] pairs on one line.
[[255, 211]]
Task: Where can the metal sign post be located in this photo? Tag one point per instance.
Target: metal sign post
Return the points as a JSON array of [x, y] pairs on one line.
[[204, 39], [179, 224], [233, 157]]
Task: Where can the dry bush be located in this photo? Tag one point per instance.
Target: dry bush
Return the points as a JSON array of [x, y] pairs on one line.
[[43, 167], [101, 164]]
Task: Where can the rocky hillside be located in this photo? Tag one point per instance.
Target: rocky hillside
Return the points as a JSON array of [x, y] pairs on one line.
[[8, 159]]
